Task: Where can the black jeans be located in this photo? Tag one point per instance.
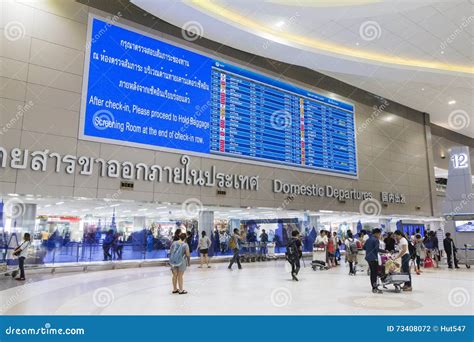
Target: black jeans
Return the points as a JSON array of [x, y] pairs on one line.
[[418, 262], [295, 265], [351, 267], [235, 258], [21, 265], [107, 254], [451, 256], [406, 267], [373, 266]]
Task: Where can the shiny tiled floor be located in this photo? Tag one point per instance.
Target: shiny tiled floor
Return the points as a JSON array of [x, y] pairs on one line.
[[260, 288]]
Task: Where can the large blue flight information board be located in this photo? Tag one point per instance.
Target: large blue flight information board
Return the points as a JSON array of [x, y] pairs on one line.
[[144, 91]]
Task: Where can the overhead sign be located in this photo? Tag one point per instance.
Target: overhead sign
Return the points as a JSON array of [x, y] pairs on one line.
[[142, 91]]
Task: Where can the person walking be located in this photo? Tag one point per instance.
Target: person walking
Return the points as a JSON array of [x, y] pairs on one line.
[[263, 243], [203, 246], [179, 261], [331, 251], [234, 245], [450, 250], [372, 249], [351, 252], [21, 252], [294, 253], [107, 244], [404, 255], [419, 249]]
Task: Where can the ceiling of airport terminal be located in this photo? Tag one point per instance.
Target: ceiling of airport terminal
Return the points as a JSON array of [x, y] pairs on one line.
[[418, 53]]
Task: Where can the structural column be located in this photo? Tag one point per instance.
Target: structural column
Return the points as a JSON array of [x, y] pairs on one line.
[[206, 224], [24, 216]]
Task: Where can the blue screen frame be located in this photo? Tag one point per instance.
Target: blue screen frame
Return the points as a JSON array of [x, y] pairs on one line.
[[194, 97]]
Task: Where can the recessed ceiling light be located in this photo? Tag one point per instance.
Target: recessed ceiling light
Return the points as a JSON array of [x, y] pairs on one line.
[[47, 205], [114, 205], [125, 211], [13, 195], [59, 203], [143, 209], [357, 43], [442, 52], [280, 23], [422, 89], [452, 102]]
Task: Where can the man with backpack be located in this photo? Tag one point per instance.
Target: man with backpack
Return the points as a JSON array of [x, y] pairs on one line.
[[294, 253], [234, 245], [404, 255]]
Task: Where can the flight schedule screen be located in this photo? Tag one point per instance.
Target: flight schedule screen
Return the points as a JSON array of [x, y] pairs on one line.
[[147, 92]]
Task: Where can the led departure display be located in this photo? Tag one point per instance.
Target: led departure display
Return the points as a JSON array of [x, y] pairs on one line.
[[147, 92]]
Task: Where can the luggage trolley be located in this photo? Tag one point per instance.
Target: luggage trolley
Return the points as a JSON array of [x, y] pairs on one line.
[[271, 251], [468, 255], [319, 258]]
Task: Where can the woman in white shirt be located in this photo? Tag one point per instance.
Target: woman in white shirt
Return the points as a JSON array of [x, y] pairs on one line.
[[203, 246], [22, 252], [404, 255]]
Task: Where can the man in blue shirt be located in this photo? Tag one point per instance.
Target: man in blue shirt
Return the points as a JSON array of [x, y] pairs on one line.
[[372, 250]]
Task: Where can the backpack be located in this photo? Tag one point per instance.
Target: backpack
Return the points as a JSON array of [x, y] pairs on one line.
[[232, 244], [177, 256], [411, 249], [292, 250], [353, 247]]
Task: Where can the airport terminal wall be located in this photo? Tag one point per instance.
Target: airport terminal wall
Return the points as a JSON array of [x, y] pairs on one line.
[[40, 106]]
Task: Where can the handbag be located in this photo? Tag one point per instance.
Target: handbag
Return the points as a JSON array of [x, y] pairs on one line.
[[18, 250]]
